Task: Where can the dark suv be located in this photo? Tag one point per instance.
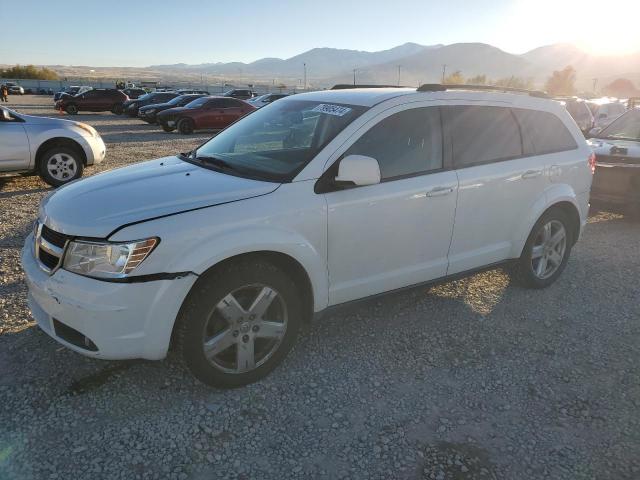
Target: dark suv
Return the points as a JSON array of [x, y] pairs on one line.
[[148, 113], [134, 93], [96, 100], [131, 107], [240, 93]]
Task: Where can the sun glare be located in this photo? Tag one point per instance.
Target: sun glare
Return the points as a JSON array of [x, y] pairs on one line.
[[597, 27]]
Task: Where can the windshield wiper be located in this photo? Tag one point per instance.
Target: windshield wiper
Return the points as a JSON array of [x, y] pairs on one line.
[[215, 161]]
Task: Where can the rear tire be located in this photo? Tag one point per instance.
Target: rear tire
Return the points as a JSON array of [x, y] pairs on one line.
[[546, 252], [185, 126], [117, 109], [238, 323], [71, 109], [60, 165]]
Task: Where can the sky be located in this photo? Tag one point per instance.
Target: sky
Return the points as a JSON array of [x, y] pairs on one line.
[[142, 33]]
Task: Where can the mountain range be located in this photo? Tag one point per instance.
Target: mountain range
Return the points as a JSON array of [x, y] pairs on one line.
[[420, 64]]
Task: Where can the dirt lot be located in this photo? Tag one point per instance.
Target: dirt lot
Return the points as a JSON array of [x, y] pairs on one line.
[[474, 379]]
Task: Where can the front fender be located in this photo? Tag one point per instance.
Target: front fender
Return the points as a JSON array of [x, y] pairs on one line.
[[554, 194]]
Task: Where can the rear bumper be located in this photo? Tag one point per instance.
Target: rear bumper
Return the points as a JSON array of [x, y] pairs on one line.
[[100, 319]]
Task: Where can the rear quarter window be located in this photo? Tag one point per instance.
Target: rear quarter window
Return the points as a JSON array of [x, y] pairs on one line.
[[543, 132], [482, 134]]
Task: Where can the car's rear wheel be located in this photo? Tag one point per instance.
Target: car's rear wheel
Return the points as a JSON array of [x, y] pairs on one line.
[[71, 109], [547, 250], [60, 165], [185, 126], [167, 128], [239, 323], [117, 109]]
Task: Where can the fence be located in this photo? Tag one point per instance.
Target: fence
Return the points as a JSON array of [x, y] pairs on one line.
[[215, 88]]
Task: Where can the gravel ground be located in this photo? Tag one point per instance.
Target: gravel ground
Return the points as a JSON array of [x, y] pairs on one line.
[[473, 379]]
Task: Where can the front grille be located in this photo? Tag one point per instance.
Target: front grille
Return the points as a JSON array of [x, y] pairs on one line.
[[51, 236], [49, 247], [48, 260]]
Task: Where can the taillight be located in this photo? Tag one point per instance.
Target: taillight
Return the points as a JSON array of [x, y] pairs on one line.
[[592, 163]]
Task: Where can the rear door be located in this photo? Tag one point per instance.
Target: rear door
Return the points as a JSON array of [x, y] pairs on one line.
[[499, 181], [396, 233], [14, 145]]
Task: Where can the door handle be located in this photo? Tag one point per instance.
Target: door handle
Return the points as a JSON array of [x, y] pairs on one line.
[[439, 191], [532, 173]]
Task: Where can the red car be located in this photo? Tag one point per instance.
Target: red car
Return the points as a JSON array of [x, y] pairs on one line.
[[213, 113], [96, 100]]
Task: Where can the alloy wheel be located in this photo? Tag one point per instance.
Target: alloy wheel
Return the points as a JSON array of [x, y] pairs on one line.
[[62, 166], [549, 249], [245, 328]]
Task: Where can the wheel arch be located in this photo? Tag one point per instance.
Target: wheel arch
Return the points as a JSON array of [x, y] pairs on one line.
[[60, 142]]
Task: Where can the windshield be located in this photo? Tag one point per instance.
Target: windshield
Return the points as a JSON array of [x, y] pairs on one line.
[[626, 127], [198, 102], [277, 141], [179, 100]]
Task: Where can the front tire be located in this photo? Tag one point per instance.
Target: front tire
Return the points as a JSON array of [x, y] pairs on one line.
[[238, 323], [167, 128], [71, 109], [117, 109], [547, 250], [60, 165], [185, 126]]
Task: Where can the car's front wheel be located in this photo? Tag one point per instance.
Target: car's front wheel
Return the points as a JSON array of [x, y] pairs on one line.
[[185, 126], [167, 128], [239, 323], [60, 165], [117, 109], [71, 109], [547, 250]]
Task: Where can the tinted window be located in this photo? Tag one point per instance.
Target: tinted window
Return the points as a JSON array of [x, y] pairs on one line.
[[228, 103], [404, 143], [544, 132], [482, 134]]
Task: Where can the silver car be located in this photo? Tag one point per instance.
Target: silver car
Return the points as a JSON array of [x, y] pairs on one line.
[[57, 150]]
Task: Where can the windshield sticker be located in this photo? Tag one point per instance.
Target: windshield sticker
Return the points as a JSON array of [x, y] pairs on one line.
[[336, 110]]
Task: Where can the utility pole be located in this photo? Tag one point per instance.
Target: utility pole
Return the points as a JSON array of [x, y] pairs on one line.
[[354, 76], [595, 83], [399, 67], [305, 75], [444, 71]]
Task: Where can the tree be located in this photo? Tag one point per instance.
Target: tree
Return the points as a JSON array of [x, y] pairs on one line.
[[562, 82], [515, 82], [477, 80], [455, 78], [29, 71], [622, 88]]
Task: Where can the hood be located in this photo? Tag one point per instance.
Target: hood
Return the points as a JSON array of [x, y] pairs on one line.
[[176, 110], [59, 122], [155, 105], [97, 205], [618, 148]]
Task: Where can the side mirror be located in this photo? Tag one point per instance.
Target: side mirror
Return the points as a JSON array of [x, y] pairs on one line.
[[359, 170], [6, 116]]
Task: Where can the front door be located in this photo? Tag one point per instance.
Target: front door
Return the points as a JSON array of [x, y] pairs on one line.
[[14, 151], [396, 233]]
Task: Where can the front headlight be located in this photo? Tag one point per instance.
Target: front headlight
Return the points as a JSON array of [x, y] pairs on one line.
[[87, 128], [106, 260]]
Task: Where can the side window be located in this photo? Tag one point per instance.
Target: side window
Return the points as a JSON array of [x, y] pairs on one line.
[[482, 134], [228, 103], [405, 143], [545, 131]]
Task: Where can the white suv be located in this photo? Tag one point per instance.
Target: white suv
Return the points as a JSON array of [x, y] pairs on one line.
[[313, 201], [56, 149]]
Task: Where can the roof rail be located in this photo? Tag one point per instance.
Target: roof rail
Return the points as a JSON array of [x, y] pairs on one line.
[[437, 87], [347, 86]]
